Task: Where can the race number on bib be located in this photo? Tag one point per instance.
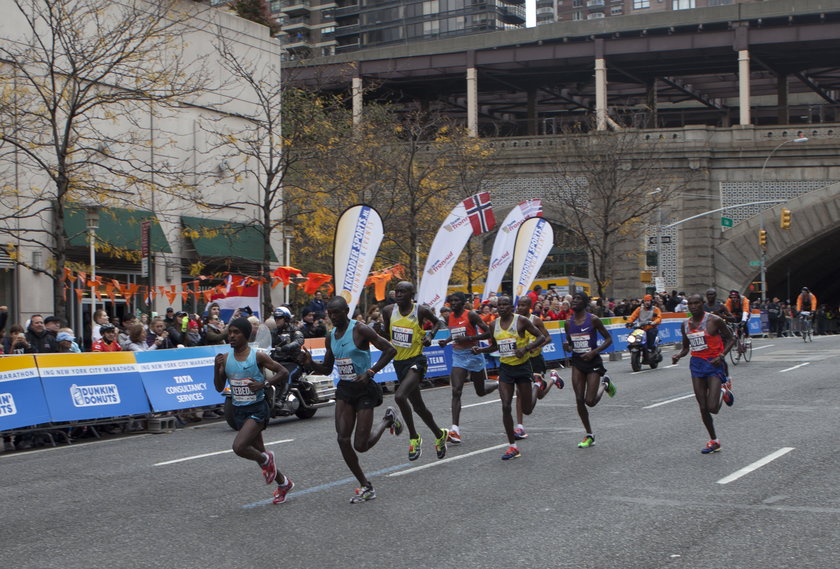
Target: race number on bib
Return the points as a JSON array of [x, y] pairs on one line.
[[346, 369], [580, 343], [697, 341], [402, 337], [459, 332], [241, 392], [507, 347]]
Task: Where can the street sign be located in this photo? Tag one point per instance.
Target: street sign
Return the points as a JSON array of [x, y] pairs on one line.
[[665, 239], [755, 263], [726, 222], [145, 228]]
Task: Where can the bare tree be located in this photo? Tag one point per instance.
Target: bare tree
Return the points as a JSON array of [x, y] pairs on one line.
[[72, 80], [603, 186]]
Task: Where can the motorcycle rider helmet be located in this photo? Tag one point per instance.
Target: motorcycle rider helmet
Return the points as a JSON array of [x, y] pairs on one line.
[[647, 297], [282, 312]]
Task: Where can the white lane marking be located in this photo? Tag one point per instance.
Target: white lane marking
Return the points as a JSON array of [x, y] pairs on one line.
[[669, 401], [794, 367], [482, 403], [762, 347], [673, 365], [755, 465], [445, 460], [214, 453], [642, 371]]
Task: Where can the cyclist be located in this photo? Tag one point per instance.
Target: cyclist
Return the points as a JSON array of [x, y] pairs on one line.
[[806, 304], [649, 317], [737, 304]]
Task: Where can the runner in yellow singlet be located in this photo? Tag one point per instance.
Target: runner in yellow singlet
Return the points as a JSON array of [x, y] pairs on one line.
[[538, 368], [404, 328], [509, 338]]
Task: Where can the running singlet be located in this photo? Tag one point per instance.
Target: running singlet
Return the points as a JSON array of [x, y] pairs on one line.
[[700, 342], [530, 338], [406, 333], [460, 326], [239, 374], [350, 360], [508, 340], [583, 337]]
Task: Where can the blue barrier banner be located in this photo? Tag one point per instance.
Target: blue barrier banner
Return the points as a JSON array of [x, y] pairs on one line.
[[179, 379], [91, 386], [22, 401]]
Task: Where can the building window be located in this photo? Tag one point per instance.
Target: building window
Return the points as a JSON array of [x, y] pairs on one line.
[[683, 4], [641, 4]]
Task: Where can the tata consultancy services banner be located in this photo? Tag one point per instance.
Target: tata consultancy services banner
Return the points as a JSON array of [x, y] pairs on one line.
[[92, 386], [179, 379], [358, 235], [22, 401], [533, 243]]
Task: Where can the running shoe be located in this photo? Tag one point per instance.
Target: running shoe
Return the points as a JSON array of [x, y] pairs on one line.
[[711, 446], [282, 490], [728, 383], [440, 443], [587, 442], [414, 449], [609, 385], [728, 397], [558, 381], [512, 452], [269, 469], [454, 437], [396, 423], [519, 433], [363, 494]]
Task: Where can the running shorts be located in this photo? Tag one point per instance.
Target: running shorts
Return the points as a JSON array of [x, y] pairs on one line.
[[467, 360], [595, 365], [700, 367], [515, 373], [359, 395], [258, 411], [538, 363], [417, 362]]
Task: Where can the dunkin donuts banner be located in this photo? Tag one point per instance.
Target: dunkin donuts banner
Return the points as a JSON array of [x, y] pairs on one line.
[[533, 243], [358, 235]]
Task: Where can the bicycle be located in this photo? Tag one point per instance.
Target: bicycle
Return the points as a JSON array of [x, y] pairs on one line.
[[743, 345], [805, 326]]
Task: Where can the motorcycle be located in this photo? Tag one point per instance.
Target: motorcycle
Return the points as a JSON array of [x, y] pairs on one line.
[[306, 392], [639, 353]]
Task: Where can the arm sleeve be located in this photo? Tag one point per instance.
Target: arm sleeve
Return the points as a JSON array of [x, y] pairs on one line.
[[746, 306], [634, 316], [657, 316]]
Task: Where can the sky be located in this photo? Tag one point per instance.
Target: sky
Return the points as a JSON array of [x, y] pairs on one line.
[[531, 13]]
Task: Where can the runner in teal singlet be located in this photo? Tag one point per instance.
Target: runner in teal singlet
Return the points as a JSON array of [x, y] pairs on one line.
[[348, 349]]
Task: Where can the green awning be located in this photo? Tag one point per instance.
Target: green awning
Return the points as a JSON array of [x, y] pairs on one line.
[[118, 227], [217, 238]]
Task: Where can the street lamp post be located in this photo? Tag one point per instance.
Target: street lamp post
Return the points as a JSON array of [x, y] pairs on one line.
[[761, 218], [658, 235], [92, 223]]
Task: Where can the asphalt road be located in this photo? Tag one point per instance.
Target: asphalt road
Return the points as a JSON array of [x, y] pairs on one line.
[[643, 497]]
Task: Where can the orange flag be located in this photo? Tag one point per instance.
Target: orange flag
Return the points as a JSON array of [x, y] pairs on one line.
[[82, 275], [80, 292], [285, 274], [171, 296], [314, 281]]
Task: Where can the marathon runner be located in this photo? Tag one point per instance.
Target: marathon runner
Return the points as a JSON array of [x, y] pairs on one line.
[[708, 339], [243, 368], [403, 322], [348, 349], [511, 340], [589, 377], [466, 328]]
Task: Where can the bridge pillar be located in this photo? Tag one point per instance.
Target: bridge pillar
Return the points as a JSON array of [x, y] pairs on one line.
[[782, 104], [601, 92], [472, 101], [744, 86], [358, 99]]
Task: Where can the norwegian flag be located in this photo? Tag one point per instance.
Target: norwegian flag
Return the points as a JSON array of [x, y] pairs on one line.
[[480, 211]]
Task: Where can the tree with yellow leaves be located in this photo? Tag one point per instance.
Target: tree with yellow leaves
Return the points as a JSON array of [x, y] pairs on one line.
[[76, 78]]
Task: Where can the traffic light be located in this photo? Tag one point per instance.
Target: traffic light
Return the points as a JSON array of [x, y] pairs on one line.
[[785, 220], [762, 237]]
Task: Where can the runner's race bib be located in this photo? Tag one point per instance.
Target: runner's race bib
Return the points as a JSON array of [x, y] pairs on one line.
[[459, 333], [402, 337], [241, 392], [580, 343], [507, 347], [346, 369], [697, 341]]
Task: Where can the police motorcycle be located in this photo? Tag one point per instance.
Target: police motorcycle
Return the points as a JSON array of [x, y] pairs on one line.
[[637, 346], [303, 395]]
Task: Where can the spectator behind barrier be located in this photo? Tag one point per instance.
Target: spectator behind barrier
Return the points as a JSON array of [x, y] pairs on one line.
[[40, 340], [108, 342]]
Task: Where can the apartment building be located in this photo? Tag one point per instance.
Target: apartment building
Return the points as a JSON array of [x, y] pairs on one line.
[[549, 11]]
